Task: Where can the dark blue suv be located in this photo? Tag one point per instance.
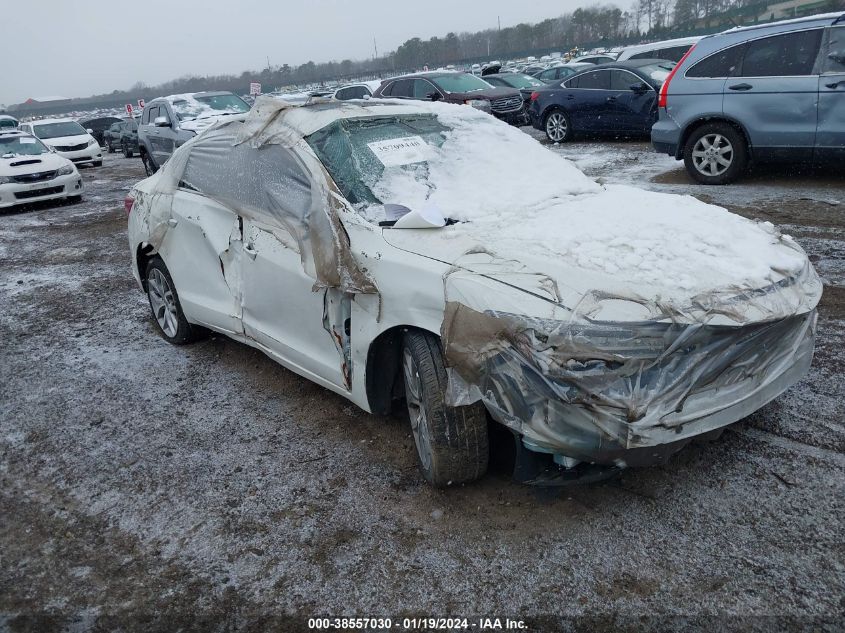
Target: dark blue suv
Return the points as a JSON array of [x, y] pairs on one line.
[[768, 92], [618, 98]]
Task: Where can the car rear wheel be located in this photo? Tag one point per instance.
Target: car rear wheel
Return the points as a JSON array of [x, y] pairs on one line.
[[715, 154], [558, 129], [452, 443], [126, 151], [165, 306]]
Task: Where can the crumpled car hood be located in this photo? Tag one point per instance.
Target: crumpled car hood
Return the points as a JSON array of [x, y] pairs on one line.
[[605, 296]]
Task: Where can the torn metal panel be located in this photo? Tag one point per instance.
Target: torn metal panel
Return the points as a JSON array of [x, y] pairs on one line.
[[594, 389], [337, 314]]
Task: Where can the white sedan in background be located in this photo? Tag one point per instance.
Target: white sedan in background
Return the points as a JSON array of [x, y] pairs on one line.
[[31, 172], [360, 245], [68, 138]]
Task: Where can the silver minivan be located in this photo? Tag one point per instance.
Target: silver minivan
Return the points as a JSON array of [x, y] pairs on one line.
[[761, 93]]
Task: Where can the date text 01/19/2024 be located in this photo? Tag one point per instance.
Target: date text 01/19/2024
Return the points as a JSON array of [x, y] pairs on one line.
[[417, 624]]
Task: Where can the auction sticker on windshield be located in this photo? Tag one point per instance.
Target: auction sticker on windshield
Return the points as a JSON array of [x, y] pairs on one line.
[[401, 151]]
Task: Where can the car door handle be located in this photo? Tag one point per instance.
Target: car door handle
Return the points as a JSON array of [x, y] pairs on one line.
[[250, 250], [835, 84], [740, 87]]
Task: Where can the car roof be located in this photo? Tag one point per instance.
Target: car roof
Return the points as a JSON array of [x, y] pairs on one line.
[[825, 18], [182, 95], [43, 121]]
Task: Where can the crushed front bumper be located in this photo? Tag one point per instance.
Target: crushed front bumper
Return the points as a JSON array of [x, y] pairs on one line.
[[626, 394]]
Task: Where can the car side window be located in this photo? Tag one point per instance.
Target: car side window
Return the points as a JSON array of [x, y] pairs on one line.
[[162, 111], [722, 64], [787, 55], [623, 80], [572, 83], [834, 60], [152, 113], [247, 178], [403, 88], [423, 88], [598, 80]]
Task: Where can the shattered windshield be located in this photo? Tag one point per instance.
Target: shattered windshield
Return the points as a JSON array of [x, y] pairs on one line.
[[21, 146], [356, 152], [56, 130]]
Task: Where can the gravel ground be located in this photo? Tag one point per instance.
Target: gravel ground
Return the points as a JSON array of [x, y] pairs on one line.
[[148, 487]]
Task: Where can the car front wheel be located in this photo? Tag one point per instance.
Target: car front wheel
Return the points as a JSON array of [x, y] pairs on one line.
[[715, 154], [111, 147], [452, 443], [558, 129], [165, 306]]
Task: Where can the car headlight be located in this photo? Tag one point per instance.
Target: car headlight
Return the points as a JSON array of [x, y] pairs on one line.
[[66, 170], [93, 141], [481, 104]]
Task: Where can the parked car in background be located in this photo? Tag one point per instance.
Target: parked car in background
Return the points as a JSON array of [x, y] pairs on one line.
[[527, 303], [760, 93], [356, 91], [456, 87], [129, 138], [618, 99], [672, 50], [560, 72], [169, 122], [98, 126], [593, 59], [31, 172], [68, 138], [8, 122], [526, 84]]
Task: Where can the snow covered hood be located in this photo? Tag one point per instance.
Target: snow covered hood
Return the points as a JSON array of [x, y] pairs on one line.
[[62, 141], [30, 164]]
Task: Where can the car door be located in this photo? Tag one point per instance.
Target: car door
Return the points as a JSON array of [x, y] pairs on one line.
[[284, 310], [202, 248], [588, 100], [152, 133], [774, 95], [165, 140], [830, 136], [635, 108]]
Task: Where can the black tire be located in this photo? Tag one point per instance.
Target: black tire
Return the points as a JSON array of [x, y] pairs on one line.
[[165, 306], [111, 147], [149, 166], [126, 151], [452, 443], [558, 119], [708, 147]]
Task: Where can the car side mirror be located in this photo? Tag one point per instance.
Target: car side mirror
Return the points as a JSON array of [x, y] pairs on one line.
[[639, 88], [433, 96], [161, 121], [90, 131], [837, 56]]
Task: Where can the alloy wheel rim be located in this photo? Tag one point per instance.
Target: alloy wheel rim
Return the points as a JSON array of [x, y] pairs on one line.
[[712, 155], [556, 127], [163, 303], [416, 411]]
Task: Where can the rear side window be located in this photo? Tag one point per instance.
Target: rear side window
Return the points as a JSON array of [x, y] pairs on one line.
[[673, 53], [835, 59], [599, 80], [788, 55], [722, 64]]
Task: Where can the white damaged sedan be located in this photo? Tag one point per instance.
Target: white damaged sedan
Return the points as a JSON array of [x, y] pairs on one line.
[[362, 245], [31, 172]]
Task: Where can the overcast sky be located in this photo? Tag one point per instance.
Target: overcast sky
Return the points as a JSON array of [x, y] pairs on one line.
[[76, 48]]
